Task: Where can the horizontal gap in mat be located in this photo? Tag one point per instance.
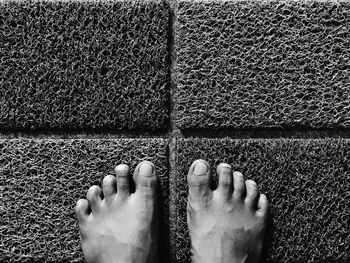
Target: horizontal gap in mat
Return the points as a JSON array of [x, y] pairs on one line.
[[83, 134], [200, 133], [267, 133]]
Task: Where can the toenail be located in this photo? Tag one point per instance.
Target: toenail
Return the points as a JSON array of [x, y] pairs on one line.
[[146, 169], [238, 174], [122, 166], [200, 169], [122, 170], [251, 182], [224, 169]]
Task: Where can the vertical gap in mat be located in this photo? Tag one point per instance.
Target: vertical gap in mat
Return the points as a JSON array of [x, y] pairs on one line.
[[172, 68], [173, 200], [174, 133]]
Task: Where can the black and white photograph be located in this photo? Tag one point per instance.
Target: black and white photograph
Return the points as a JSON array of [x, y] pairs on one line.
[[174, 131]]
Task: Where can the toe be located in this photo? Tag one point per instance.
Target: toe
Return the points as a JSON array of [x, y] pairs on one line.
[[122, 173], [198, 182], [146, 180], [263, 206], [109, 188], [225, 186], [94, 196], [82, 210], [252, 196], [238, 185]]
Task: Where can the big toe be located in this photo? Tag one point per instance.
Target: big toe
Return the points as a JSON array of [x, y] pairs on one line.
[[198, 182], [146, 180]]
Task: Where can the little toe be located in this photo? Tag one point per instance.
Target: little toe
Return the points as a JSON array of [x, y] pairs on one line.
[[109, 185], [146, 180], [94, 196], [225, 186], [122, 173], [82, 210], [238, 185], [198, 182], [263, 206], [252, 195]]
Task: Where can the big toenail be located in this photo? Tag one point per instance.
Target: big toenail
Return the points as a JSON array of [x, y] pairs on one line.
[[200, 169], [146, 169]]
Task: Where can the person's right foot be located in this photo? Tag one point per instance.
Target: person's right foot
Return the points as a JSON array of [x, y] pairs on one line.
[[228, 224]]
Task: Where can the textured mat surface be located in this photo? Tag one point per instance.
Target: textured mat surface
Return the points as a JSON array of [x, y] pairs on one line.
[[263, 64], [84, 64], [40, 182], [306, 181]]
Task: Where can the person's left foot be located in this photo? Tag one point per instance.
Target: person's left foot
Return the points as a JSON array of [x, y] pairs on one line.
[[116, 226]]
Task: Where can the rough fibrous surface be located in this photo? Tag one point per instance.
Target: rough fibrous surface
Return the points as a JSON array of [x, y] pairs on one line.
[[248, 64], [306, 182], [84, 64], [41, 180]]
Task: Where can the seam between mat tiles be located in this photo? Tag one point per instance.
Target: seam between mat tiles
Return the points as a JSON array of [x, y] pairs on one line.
[[173, 201], [267, 133], [174, 133]]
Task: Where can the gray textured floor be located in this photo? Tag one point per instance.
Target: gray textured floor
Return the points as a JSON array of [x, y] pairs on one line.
[[179, 74]]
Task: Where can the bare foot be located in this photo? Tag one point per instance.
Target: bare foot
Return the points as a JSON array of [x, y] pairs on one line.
[[228, 224], [121, 227]]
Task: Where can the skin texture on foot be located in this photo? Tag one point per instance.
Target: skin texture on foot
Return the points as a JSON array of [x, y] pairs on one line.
[[116, 226], [226, 225]]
